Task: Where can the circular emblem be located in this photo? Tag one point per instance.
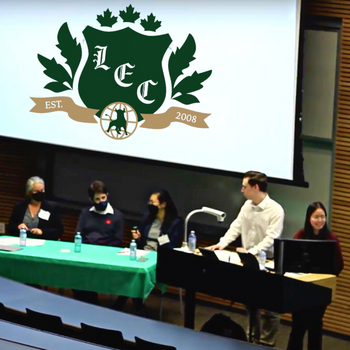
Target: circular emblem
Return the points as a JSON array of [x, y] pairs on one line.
[[118, 120]]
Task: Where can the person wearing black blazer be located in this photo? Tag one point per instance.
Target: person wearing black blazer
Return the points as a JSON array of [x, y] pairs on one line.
[[161, 220], [38, 216]]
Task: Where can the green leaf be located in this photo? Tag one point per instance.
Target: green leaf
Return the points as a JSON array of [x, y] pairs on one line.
[[129, 15], [187, 99], [151, 24], [107, 20], [56, 87], [55, 70], [181, 59], [69, 48], [191, 83]]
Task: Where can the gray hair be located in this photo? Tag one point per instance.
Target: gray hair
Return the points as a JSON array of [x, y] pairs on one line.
[[31, 182]]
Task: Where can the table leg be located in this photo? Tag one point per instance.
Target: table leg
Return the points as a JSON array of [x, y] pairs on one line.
[[190, 307], [252, 314]]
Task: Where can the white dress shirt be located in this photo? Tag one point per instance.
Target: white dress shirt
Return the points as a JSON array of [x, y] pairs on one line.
[[258, 224]]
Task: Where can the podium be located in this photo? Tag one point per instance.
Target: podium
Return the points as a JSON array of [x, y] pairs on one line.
[[258, 289]]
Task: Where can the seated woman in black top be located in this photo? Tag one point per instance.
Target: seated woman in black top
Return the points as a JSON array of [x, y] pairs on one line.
[[161, 220], [39, 217], [99, 224]]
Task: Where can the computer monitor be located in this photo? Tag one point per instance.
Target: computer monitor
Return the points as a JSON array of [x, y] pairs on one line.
[[305, 255]]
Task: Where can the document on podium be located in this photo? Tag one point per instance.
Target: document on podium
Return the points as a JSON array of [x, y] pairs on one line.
[[227, 256]]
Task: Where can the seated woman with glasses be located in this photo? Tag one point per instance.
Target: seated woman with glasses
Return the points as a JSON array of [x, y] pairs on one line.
[[39, 217], [160, 227], [310, 320]]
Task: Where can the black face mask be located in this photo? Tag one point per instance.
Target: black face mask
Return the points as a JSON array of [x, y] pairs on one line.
[[39, 196], [153, 210], [101, 206]]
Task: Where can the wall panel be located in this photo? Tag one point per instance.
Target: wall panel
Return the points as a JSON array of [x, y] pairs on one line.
[[337, 315], [18, 162]]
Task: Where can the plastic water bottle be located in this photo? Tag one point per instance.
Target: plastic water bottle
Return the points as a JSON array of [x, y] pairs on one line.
[[77, 242], [22, 237], [133, 250], [262, 259], [192, 242]]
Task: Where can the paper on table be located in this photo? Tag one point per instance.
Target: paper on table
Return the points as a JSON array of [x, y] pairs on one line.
[[15, 241], [9, 240], [270, 265], [227, 256], [139, 252], [295, 274], [35, 242]]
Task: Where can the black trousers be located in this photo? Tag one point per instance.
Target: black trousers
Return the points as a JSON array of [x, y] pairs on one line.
[[309, 320], [120, 302], [86, 296]]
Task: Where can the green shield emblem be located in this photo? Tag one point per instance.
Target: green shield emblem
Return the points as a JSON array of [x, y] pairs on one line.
[[126, 66]]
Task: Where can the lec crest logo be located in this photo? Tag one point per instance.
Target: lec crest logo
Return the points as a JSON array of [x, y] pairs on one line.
[[122, 81]]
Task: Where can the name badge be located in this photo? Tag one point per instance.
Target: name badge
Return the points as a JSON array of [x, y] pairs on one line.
[[43, 214], [163, 239]]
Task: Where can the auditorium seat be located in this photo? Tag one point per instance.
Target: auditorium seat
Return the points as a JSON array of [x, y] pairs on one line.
[[2, 311], [142, 344], [45, 322], [102, 336]]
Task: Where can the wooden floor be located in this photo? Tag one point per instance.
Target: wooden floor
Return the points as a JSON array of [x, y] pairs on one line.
[[171, 313]]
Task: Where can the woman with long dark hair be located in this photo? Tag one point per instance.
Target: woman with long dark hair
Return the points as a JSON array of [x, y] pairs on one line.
[[161, 219], [310, 320]]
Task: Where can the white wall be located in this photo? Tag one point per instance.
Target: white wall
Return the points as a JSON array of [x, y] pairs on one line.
[[131, 183]]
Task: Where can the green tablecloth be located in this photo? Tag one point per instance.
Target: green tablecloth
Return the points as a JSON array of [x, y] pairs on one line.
[[96, 268]]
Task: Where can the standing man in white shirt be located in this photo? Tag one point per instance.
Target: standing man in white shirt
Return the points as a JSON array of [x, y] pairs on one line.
[[259, 222]]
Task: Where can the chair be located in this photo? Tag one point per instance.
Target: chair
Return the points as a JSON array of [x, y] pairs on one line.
[[12, 315], [2, 311], [45, 322], [142, 344], [102, 336]]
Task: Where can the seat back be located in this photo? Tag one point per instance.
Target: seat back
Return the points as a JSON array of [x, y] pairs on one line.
[[142, 344], [45, 322], [223, 325], [102, 336], [2, 311]]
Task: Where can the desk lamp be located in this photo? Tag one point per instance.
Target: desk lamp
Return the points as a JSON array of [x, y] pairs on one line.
[[220, 216]]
